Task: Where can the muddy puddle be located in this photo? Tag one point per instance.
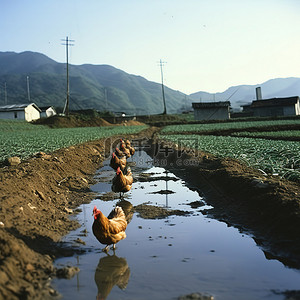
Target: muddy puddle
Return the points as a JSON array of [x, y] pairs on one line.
[[166, 256]]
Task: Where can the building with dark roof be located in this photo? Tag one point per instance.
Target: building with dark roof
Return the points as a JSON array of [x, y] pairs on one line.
[[274, 107], [211, 110]]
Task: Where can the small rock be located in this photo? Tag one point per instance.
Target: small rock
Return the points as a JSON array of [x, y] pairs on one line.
[[67, 272], [196, 296], [43, 155], [29, 267], [30, 206], [53, 292], [41, 195], [68, 210], [196, 204], [58, 159], [13, 161], [80, 241], [84, 180]]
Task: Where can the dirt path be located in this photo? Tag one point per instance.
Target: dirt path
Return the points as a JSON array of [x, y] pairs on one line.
[[39, 195]]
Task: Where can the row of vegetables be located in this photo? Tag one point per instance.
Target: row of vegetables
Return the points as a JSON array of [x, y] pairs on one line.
[[277, 157], [274, 157], [18, 138], [237, 125]]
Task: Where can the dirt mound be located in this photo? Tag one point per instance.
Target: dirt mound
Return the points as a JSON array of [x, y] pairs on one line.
[[81, 121], [133, 123], [72, 121]]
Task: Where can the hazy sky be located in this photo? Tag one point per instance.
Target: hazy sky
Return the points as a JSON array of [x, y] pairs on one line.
[[209, 45]]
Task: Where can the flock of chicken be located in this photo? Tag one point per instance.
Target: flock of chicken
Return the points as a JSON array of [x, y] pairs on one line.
[[110, 230]]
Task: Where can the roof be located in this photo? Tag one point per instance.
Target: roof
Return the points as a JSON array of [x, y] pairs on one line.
[[18, 107], [44, 108], [275, 102], [211, 104]]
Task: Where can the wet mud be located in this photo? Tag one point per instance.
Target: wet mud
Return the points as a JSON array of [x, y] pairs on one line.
[[39, 195]]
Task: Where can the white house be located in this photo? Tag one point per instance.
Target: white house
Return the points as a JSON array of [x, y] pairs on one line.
[[47, 111], [27, 111]]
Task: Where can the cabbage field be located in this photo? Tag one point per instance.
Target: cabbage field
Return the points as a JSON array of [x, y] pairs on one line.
[[275, 157], [283, 133], [188, 128], [19, 138]]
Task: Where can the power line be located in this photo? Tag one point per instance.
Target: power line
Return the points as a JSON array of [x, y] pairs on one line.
[[67, 44]]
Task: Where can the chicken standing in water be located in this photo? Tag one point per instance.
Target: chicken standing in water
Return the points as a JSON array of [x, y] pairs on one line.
[[111, 230], [122, 183], [125, 150], [119, 153], [129, 147], [116, 162]]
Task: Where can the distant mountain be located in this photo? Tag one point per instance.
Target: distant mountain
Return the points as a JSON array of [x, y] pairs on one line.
[[13, 63], [244, 94], [100, 87], [103, 87]]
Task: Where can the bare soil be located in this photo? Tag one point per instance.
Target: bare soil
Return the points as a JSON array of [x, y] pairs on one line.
[[72, 121], [39, 195]]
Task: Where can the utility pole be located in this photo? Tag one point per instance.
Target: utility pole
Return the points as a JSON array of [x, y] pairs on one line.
[[161, 63], [105, 97], [28, 90], [67, 44], [5, 94]]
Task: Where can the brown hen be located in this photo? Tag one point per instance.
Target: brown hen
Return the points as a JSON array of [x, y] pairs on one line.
[[111, 230], [116, 162], [119, 153], [125, 150], [122, 183], [129, 147]]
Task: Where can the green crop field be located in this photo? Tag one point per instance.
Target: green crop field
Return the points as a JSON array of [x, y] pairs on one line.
[[284, 133], [19, 138], [280, 158], [276, 157], [225, 126]]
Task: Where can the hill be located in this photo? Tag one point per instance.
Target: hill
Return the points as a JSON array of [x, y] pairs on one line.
[[244, 94], [99, 87], [103, 87]]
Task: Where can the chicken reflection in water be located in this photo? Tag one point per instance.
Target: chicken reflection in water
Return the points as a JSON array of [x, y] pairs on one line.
[[127, 208], [111, 270]]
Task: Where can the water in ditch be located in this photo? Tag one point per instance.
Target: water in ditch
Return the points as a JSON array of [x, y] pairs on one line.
[[169, 257]]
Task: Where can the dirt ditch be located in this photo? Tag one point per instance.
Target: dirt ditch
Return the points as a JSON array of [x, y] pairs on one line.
[[39, 195], [267, 207]]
